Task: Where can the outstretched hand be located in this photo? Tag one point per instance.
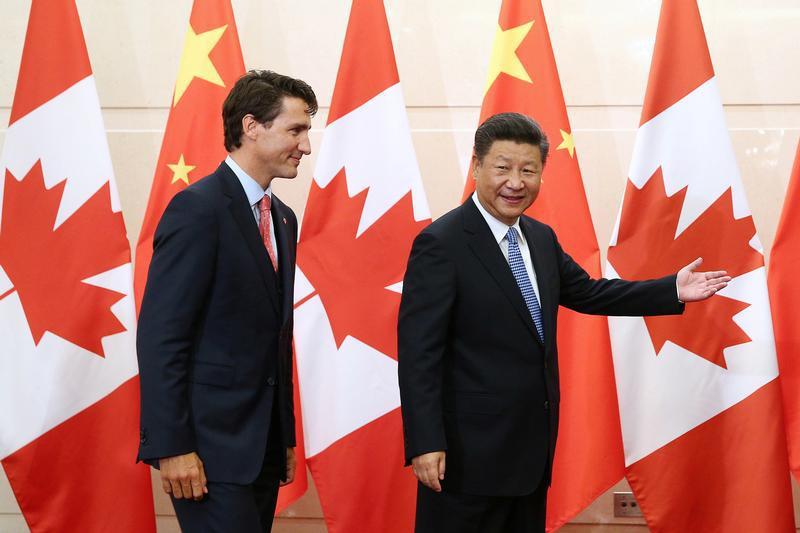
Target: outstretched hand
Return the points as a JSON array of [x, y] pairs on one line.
[[696, 286]]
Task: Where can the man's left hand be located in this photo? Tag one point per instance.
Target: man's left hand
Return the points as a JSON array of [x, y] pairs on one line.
[[696, 286], [291, 466]]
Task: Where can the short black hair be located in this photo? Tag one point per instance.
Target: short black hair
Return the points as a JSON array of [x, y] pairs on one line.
[[260, 93], [515, 127]]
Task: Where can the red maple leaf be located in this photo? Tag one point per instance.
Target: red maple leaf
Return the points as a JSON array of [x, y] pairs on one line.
[[47, 266], [647, 248], [350, 273]]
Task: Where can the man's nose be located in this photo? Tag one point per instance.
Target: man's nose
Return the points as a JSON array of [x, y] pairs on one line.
[[305, 144], [514, 180]]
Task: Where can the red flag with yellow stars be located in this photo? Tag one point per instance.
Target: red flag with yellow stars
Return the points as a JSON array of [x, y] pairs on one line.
[[193, 141], [523, 78], [192, 147]]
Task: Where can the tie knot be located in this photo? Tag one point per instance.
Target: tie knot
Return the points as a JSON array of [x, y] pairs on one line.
[[511, 236], [265, 204]]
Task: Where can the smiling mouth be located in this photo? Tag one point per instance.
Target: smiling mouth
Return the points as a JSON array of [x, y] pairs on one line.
[[512, 199]]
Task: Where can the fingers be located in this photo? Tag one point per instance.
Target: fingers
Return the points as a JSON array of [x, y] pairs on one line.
[[693, 265], [203, 479], [716, 275], [165, 484], [186, 487], [429, 475], [429, 469], [197, 480], [184, 477], [291, 466], [177, 491]]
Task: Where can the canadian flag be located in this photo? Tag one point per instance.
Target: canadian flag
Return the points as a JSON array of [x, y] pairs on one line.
[[784, 294], [68, 382], [698, 393], [364, 209]]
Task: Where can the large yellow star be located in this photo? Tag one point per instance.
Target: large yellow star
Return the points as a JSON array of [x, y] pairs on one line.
[[195, 62], [504, 54], [568, 143], [180, 171]]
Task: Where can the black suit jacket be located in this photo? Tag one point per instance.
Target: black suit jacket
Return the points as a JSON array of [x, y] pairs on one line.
[[475, 379], [215, 332]]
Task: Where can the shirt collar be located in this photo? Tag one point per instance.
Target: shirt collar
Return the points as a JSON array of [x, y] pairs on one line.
[[498, 228], [252, 189]]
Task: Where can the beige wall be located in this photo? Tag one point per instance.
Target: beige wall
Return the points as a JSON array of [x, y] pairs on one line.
[[603, 51]]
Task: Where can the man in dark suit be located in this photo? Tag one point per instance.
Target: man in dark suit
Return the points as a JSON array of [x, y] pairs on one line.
[[478, 363], [215, 327]]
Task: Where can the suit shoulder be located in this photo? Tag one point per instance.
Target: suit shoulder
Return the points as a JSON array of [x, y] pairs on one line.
[[445, 225], [201, 196], [539, 227]]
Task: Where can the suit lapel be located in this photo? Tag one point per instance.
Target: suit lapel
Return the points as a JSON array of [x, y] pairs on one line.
[[536, 247], [243, 215], [483, 245], [286, 254]]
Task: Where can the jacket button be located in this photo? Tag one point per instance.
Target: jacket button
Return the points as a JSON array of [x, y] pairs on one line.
[[546, 404], [271, 381], [142, 437]]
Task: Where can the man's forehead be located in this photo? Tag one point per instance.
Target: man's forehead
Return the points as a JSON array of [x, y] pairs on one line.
[[513, 149]]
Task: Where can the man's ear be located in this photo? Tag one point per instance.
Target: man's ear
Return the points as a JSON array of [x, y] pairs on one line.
[[249, 125], [474, 165]]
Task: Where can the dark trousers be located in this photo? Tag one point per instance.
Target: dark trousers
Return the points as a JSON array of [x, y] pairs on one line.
[[448, 512], [232, 508]]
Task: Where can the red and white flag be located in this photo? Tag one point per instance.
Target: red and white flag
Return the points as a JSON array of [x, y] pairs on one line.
[[68, 376], [784, 294], [699, 397], [523, 77], [364, 209]]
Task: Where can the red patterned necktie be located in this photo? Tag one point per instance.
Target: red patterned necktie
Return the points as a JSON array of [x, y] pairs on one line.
[[264, 225]]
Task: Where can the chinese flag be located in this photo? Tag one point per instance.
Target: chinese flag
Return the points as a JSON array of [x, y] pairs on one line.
[[523, 78], [69, 386], [699, 398], [365, 206], [784, 294], [193, 142]]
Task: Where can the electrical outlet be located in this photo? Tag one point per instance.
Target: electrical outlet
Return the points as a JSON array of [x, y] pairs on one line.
[[625, 505]]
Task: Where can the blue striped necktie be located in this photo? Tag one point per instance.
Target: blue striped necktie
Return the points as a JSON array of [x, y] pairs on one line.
[[521, 275]]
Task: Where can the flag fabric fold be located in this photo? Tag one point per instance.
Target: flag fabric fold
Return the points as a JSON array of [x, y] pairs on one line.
[[523, 78], [68, 374], [784, 295], [699, 397], [365, 206]]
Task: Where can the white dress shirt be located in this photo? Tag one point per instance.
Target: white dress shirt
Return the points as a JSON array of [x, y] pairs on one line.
[[499, 230], [254, 194]]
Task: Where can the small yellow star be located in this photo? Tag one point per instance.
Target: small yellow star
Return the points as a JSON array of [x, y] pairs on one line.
[[504, 54], [180, 171], [195, 62], [568, 143]]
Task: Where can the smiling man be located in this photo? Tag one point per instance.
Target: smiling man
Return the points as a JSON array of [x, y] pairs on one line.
[[215, 327], [478, 363]]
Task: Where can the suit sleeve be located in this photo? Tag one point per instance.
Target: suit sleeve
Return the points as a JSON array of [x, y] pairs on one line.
[[184, 254], [423, 328], [614, 297]]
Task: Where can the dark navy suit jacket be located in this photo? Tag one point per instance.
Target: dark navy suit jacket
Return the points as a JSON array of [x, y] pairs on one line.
[[215, 332], [475, 379]]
